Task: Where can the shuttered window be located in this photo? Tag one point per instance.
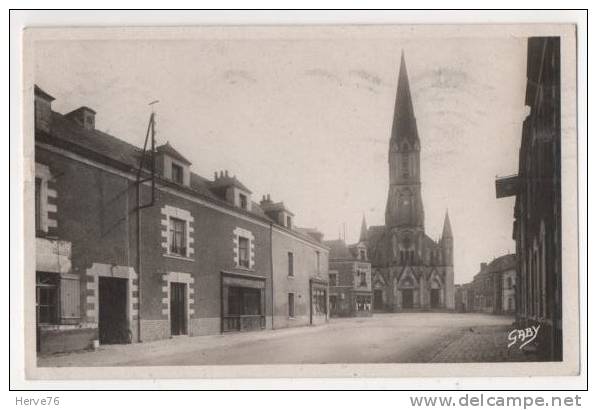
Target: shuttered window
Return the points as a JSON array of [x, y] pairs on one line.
[[70, 300]]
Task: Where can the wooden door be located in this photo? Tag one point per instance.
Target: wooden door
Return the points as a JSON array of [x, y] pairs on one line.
[[178, 322], [407, 299], [434, 298], [378, 299]]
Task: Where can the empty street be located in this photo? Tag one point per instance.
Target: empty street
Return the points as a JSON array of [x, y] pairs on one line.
[[384, 338]]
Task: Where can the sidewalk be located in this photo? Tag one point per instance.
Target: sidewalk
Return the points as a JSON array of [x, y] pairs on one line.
[[116, 354], [482, 344]]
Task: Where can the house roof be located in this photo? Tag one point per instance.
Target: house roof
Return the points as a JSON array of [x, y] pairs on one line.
[[42, 93], [103, 147], [169, 150], [338, 249], [275, 206], [227, 181], [502, 263]]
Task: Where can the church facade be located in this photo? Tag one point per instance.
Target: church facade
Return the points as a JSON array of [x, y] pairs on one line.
[[410, 269]]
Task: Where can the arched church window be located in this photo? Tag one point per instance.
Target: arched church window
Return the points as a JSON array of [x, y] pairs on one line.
[[405, 162], [406, 199]]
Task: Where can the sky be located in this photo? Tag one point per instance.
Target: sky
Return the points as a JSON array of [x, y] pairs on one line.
[[308, 120]]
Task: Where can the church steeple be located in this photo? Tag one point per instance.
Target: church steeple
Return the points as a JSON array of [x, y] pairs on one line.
[[447, 232], [405, 204], [404, 126], [363, 236]]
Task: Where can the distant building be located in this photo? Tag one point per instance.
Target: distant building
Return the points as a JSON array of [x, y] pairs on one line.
[[491, 290], [201, 258], [350, 278], [538, 209], [410, 270]]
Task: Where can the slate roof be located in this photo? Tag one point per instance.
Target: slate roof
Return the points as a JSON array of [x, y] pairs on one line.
[[226, 181], [275, 206], [169, 150], [103, 147], [502, 263], [338, 249]]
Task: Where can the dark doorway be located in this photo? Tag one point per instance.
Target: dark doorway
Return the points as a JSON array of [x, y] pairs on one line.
[[333, 305], [434, 298], [378, 299], [113, 323], [407, 299], [178, 317]]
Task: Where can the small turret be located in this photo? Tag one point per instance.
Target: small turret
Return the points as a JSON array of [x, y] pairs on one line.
[[363, 236], [447, 242], [447, 232]]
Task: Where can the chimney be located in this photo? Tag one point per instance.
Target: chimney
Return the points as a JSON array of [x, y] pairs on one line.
[[43, 109], [84, 116], [265, 200]]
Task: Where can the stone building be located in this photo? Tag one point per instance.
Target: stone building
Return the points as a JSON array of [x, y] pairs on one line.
[[120, 262], [538, 209], [410, 269], [350, 278], [492, 288]]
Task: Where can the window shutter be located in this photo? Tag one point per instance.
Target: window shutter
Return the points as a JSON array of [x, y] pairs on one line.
[[70, 300]]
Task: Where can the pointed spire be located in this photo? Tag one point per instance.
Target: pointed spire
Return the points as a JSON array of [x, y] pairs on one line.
[[363, 237], [404, 125], [447, 232]]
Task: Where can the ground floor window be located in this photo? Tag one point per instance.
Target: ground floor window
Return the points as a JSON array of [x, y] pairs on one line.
[[47, 298], [291, 305], [244, 301], [320, 301], [243, 304], [363, 303]]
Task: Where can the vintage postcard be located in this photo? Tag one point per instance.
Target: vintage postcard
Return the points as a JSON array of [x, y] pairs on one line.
[[301, 201]]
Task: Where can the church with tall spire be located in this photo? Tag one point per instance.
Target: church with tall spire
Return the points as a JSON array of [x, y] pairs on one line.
[[410, 270]]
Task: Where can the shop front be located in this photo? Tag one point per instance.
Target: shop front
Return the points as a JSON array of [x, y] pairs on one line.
[[319, 301], [243, 302]]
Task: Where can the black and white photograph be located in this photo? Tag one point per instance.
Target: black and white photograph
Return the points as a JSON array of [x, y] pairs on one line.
[[326, 197]]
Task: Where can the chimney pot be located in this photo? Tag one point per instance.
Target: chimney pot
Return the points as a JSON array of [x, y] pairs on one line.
[[226, 173], [84, 116]]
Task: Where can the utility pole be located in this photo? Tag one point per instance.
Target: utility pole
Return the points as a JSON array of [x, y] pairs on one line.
[[141, 179]]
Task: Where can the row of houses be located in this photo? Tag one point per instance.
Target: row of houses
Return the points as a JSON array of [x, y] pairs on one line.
[[351, 287], [492, 289], [537, 227], [133, 246]]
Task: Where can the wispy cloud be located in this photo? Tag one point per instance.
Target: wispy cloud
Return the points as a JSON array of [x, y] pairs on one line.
[[233, 76]]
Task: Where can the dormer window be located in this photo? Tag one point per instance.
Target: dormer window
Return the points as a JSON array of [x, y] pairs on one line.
[[173, 165], [243, 201], [362, 254], [288, 221], [177, 173]]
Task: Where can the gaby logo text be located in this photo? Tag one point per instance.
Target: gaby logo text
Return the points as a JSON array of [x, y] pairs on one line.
[[523, 336]]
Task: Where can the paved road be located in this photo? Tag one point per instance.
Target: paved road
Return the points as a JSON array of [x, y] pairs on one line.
[[383, 338]]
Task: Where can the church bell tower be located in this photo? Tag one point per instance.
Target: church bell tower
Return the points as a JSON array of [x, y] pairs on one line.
[[404, 209], [405, 206]]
